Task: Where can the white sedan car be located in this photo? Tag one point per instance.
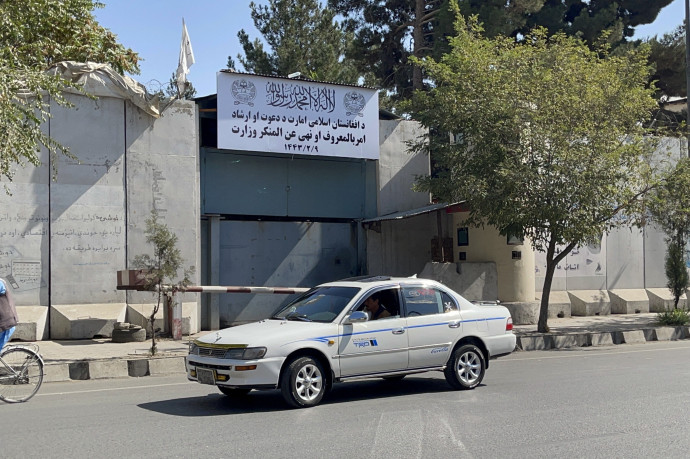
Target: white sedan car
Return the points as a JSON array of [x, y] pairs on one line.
[[376, 327]]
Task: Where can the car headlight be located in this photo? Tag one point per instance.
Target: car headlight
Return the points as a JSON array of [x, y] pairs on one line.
[[193, 349], [249, 353]]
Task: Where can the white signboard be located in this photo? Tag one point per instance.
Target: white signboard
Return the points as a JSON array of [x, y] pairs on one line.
[[280, 115]]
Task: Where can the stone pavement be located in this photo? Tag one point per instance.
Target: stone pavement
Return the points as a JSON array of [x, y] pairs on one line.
[[101, 358]]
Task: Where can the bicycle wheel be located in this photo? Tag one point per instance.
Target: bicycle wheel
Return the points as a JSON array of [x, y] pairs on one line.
[[22, 379]]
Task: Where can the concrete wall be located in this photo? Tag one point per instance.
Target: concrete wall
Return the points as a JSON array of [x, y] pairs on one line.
[[486, 245], [397, 167], [64, 240], [402, 247]]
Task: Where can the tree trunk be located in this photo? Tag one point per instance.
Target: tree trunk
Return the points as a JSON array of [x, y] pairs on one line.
[[542, 324], [551, 263]]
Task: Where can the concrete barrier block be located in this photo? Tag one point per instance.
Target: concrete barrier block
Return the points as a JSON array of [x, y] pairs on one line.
[[600, 339], [684, 332], [523, 313], [103, 369], [85, 321], [166, 365], [666, 334], [569, 340], [660, 300], [33, 323], [559, 304], [138, 368], [629, 337], [138, 314], [629, 301], [56, 372], [590, 302], [79, 371]]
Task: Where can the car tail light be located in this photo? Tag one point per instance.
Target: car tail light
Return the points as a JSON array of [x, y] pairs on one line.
[[509, 324]]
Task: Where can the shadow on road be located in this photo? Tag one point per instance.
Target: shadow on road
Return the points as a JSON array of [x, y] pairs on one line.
[[217, 404]]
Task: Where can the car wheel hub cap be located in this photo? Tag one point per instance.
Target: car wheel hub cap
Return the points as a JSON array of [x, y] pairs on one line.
[[468, 367], [308, 382]]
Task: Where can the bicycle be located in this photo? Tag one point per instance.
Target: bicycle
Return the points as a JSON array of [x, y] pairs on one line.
[[21, 373]]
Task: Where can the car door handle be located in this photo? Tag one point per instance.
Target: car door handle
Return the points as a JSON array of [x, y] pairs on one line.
[[455, 324], [398, 331]]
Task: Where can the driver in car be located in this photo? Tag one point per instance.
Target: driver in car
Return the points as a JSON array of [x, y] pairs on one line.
[[375, 309]]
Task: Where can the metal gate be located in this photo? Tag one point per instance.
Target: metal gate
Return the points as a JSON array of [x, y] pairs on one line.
[[279, 253]]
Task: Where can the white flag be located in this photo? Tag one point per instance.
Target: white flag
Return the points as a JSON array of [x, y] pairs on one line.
[[186, 59]]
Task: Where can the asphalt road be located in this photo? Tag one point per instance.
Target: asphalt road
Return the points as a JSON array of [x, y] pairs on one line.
[[622, 401]]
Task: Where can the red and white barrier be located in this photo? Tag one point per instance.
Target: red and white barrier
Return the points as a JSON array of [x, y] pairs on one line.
[[221, 289]]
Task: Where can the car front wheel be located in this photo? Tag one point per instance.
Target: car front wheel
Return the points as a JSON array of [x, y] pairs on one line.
[[466, 367], [303, 383]]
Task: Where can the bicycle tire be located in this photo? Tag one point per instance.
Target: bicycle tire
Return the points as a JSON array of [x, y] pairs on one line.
[[27, 376]]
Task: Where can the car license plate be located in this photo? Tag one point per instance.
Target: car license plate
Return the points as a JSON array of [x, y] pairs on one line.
[[205, 376]]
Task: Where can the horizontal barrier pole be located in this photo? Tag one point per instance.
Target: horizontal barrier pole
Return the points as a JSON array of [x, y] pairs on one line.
[[220, 289]]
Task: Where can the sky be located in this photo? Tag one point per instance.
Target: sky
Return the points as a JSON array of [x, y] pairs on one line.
[[153, 28]]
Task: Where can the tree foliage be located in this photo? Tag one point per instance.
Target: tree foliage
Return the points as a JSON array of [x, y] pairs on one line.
[[161, 269], [302, 36], [667, 55], [173, 92], [547, 137], [669, 206], [35, 34], [389, 32]]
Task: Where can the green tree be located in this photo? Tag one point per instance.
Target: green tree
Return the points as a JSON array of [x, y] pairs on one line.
[[302, 36], [172, 91], [669, 206], [161, 269], [588, 19], [389, 32], [35, 34], [667, 55], [548, 140]]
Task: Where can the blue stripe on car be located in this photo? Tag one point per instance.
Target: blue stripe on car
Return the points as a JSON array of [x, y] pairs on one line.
[[324, 339]]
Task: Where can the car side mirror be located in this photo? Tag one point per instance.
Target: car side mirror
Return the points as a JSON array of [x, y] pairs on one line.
[[357, 316]]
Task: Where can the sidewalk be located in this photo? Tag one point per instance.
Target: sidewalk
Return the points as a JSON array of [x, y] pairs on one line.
[[67, 360], [597, 331], [101, 358]]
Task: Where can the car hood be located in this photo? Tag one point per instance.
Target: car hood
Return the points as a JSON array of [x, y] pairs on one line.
[[268, 333]]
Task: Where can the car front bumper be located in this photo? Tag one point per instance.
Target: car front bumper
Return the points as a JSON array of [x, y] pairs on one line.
[[262, 373]]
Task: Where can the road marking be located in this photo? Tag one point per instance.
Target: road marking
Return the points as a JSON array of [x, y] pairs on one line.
[[398, 434], [592, 353], [108, 389]]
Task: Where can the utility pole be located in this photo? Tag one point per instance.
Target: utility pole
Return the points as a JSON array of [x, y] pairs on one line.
[[687, 73]]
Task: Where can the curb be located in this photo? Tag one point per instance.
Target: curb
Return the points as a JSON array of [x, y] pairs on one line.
[[544, 341], [80, 370]]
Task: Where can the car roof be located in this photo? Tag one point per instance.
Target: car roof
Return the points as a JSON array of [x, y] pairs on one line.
[[375, 281]]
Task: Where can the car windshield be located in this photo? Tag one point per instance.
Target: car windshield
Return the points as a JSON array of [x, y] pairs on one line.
[[322, 304]]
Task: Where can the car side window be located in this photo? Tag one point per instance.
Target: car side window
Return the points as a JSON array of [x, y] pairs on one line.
[[449, 303], [381, 304], [422, 301]]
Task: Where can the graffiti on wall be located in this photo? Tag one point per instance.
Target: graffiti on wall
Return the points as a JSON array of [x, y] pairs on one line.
[[586, 261]]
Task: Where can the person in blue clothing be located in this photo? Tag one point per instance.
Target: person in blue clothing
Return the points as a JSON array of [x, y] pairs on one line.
[[8, 314]]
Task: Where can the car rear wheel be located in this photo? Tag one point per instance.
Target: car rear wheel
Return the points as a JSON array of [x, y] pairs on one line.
[[233, 392], [466, 367], [303, 383]]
